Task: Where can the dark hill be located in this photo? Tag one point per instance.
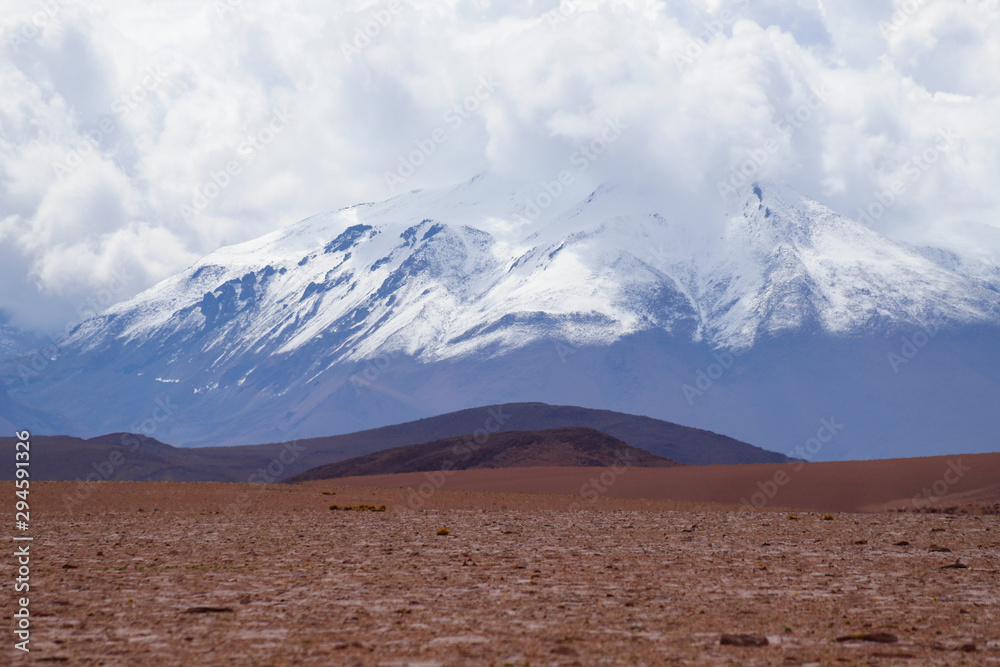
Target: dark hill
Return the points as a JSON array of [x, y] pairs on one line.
[[576, 447], [683, 444], [141, 458]]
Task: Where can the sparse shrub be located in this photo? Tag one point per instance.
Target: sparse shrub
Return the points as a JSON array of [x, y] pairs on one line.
[[359, 508], [444, 531]]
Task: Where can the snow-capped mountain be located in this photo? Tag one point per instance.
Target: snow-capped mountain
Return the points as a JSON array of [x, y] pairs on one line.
[[981, 265], [423, 275], [15, 342], [442, 299]]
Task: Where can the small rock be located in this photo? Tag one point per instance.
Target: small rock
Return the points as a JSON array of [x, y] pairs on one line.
[[878, 637], [743, 640], [955, 566]]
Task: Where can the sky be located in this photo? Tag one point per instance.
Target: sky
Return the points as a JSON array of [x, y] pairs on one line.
[[137, 136]]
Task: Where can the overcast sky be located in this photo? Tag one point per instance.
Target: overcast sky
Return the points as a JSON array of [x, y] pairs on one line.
[[137, 136]]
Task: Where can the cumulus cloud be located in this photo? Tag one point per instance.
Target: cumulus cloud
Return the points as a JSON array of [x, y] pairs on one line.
[[137, 137]]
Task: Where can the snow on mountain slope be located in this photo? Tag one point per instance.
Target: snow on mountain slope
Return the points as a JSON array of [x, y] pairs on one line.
[[439, 300], [788, 263], [15, 342], [977, 262], [461, 271]]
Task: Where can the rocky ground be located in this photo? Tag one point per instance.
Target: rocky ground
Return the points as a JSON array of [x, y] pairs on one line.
[[191, 574]]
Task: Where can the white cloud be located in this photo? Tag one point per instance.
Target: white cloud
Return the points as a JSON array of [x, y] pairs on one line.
[[147, 105]]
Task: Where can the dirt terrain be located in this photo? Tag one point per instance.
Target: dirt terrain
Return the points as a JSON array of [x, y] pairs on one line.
[[846, 486], [171, 573]]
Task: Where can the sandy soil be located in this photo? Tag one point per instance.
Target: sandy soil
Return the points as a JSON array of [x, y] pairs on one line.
[[191, 574], [843, 486]]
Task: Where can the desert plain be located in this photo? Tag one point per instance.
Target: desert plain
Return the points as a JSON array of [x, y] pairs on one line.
[[167, 573]]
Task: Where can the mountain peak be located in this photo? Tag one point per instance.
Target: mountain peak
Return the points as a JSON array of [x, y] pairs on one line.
[[787, 262], [443, 273], [464, 276]]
